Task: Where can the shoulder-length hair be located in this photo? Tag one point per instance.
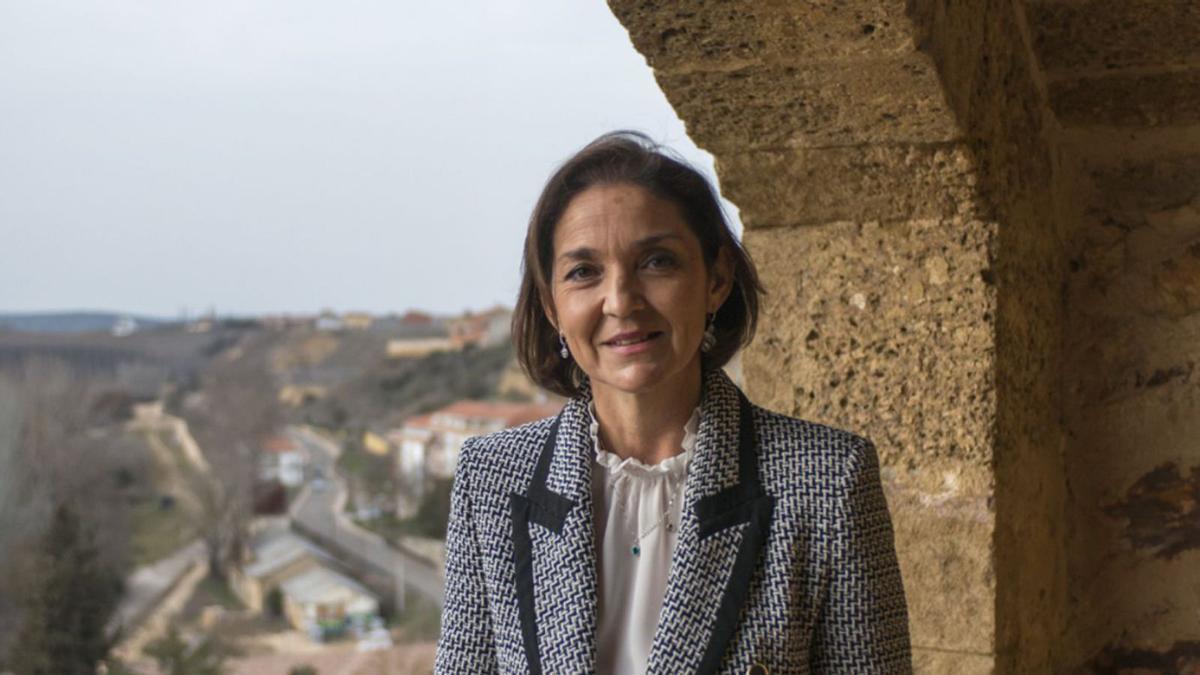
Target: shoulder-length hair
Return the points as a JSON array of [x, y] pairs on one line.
[[613, 158]]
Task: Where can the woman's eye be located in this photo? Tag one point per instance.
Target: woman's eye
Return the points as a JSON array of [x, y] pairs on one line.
[[578, 272], [659, 261]]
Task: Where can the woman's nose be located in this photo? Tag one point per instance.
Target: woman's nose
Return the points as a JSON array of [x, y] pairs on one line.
[[623, 294]]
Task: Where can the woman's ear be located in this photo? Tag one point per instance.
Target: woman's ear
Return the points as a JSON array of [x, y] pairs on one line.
[[720, 282]]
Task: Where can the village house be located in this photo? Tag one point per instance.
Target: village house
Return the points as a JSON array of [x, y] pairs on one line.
[[416, 347], [428, 445], [376, 443], [310, 590], [282, 460], [485, 329]]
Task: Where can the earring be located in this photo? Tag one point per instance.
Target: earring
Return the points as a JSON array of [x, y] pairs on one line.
[[710, 334], [563, 341]]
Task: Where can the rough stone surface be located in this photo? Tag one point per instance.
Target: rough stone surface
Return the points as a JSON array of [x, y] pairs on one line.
[[943, 511], [1097, 35], [992, 84], [1134, 539], [990, 265], [1130, 194], [895, 100], [726, 35], [1165, 98], [938, 661], [865, 321], [889, 183], [1133, 409]]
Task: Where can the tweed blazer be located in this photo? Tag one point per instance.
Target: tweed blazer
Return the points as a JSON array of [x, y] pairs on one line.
[[785, 561]]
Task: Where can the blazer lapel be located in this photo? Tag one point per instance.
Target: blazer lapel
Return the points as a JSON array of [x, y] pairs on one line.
[[554, 549], [724, 524], [726, 517]]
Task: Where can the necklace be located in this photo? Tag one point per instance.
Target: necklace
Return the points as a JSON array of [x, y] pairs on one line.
[[636, 548]]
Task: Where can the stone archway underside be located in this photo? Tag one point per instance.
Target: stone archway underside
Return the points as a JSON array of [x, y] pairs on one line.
[[929, 189]]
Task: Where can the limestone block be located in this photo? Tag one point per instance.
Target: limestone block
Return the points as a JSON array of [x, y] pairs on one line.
[[897, 100], [885, 330], [729, 34], [930, 661], [1129, 100], [1107, 34], [1130, 193], [944, 522], [854, 183], [1134, 478]]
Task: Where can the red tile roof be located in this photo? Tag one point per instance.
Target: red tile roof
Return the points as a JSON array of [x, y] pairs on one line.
[[509, 413], [278, 444]]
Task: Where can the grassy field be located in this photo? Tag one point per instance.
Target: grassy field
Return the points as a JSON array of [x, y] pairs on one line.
[[163, 520], [158, 532]]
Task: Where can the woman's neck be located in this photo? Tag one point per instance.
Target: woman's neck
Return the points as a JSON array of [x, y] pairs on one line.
[[647, 426]]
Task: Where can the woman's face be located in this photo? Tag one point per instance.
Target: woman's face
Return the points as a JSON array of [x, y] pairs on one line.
[[630, 288]]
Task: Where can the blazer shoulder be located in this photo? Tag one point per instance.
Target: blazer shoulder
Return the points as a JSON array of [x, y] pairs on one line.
[[507, 451], [797, 446]]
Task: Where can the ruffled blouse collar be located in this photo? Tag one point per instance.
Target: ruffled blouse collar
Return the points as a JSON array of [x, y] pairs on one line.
[[616, 465]]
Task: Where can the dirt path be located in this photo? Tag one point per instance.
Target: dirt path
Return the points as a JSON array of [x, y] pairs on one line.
[[342, 659], [165, 608]]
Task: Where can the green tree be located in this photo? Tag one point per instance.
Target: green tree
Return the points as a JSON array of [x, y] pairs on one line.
[[175, 656], [68, 605]]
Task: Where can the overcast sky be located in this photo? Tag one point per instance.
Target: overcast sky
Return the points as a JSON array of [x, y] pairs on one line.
[[262, 156]]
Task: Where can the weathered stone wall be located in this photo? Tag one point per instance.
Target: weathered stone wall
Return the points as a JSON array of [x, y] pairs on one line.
[[984, 53], [979, 224], [861, 200], [1123, 82]]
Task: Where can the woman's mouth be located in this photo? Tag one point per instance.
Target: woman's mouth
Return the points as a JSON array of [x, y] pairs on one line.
[[632, 342]]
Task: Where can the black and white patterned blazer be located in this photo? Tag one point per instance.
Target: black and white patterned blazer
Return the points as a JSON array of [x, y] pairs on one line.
[[785, 557]]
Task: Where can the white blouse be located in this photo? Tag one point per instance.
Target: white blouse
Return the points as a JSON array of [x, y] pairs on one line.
[[637, 506]]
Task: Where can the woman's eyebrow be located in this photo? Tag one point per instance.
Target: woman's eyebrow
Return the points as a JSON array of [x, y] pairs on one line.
[[585, 253]]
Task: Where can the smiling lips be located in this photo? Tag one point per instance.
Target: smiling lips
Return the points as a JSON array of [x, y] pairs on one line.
[[627, 342]]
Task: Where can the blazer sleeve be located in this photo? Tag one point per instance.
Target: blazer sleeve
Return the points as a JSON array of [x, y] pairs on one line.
[[863, 623], [466, 643]]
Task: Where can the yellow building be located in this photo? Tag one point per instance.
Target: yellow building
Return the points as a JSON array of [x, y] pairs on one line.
[[376, 444]]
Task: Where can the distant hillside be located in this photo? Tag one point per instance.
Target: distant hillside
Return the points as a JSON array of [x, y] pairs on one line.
[[71, 322]]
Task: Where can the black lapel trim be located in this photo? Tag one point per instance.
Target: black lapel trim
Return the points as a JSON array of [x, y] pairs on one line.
[[745, 502], [548, 509], [523, 557]]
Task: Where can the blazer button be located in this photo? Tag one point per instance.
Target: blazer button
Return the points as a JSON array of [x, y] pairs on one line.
[[758, 669]]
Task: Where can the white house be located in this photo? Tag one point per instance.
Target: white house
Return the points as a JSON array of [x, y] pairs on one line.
[[282, 460]]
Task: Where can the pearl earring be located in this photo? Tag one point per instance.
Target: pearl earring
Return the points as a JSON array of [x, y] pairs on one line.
[[563, 341]]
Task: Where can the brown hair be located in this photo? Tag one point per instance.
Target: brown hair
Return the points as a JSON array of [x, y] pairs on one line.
[[626, 157]]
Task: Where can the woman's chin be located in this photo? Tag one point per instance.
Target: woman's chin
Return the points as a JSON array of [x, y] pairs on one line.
[[636, 378]]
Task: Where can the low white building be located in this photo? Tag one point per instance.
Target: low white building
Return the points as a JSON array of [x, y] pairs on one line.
[[314, 595], [429, 444], [321, 597], [282, 460]]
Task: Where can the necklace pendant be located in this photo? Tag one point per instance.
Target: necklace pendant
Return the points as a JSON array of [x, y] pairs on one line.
[[637, 550]]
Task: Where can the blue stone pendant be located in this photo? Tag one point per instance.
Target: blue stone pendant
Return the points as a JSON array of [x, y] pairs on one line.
[[637, 550]]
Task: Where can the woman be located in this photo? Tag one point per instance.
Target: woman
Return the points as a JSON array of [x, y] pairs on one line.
[[661, 522]]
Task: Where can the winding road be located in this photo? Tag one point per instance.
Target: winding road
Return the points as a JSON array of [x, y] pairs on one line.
[[319, 510]]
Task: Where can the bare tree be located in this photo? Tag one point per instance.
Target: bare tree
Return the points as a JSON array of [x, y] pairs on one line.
[[234, 413]]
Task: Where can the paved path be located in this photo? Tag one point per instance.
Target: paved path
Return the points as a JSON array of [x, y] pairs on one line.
[[320, 510], [341, 659], [149, 583]]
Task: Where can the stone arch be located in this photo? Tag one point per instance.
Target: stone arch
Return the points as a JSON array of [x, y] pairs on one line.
[[979, 225]]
